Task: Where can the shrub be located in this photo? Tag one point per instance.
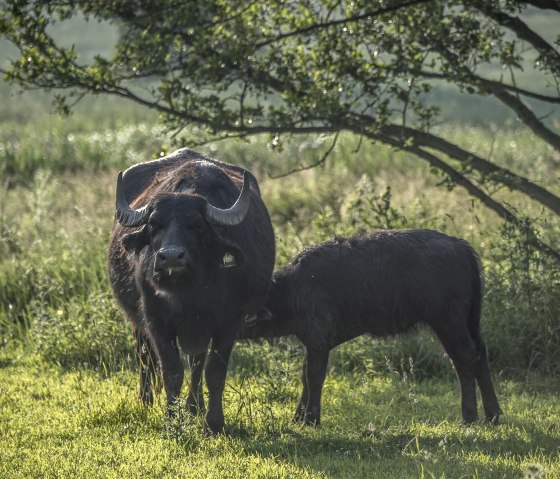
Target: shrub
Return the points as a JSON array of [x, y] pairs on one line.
[[522, 302]]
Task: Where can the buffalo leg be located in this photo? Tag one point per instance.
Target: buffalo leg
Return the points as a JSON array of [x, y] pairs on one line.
[[147, 364], [313, 377], [171, 367], [195, 399], [216, 370], [489, 400], [460, 348]]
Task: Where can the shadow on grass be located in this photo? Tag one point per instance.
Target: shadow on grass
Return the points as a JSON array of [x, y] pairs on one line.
[[414, 422], [410, 448], [412, 428], [386, 454], [6, 362]]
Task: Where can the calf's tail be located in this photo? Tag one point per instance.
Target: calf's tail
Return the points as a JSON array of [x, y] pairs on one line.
[[477, 285]]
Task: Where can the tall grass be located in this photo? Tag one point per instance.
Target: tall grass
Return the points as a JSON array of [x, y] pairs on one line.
[[67, 147], [54, 224]]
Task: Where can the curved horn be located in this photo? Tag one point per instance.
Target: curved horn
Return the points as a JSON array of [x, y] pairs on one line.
[[234, 215], [127, 216]]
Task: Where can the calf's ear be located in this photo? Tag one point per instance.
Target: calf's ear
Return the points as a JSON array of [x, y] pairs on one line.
[[134, 242]]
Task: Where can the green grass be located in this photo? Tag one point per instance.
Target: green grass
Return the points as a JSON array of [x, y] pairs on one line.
[[57, 422], [68, 384]]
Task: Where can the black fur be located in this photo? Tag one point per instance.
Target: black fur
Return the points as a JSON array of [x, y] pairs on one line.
[[382, 284], [207, 303]]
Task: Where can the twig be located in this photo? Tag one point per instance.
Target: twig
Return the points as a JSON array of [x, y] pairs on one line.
[[320, 161]]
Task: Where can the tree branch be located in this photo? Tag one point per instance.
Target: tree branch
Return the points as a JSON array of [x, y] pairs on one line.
[[318, 26], [473, 190], [496, 173], [529, 118], [522, 30], [545, 4], [320, 161], [487, 84], [523, 112]]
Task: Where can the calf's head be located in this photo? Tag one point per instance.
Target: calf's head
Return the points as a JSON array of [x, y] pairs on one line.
[[180, 230]]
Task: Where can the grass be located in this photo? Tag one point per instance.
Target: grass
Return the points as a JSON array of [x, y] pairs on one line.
[[58, 422], [68, 384]]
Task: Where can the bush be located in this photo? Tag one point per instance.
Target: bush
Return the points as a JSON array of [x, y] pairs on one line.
[[54, 293], [522, 302]]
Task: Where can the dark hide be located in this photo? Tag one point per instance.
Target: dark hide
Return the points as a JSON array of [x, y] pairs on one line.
[[223, 276], [381, 284]]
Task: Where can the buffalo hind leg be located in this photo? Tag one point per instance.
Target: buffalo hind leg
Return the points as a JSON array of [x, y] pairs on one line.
[[147, 362], [315, 363], [460, 348], [490, 403], [216, 370], [195, 399]]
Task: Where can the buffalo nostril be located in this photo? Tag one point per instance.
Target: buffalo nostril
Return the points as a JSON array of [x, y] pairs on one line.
[[172, 257]]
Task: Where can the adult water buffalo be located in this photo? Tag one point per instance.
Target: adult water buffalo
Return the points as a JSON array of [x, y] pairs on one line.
[[191, 254], [382, 284]]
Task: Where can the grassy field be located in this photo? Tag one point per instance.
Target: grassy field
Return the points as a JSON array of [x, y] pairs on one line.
[[68, 384]]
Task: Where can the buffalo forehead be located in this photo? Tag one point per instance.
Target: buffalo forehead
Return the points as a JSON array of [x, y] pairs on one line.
[[182, 206]]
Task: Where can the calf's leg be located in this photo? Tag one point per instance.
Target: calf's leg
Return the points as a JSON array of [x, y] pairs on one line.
[[490, 403], [459, 346], [315, 363]]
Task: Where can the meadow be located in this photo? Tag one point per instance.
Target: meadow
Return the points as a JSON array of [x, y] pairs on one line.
[[68, 383]]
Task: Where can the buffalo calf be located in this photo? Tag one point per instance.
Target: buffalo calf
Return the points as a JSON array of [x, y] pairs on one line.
[[381, 284]]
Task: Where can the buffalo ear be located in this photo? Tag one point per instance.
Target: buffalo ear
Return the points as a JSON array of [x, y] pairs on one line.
[[134, 242], [230, 255]]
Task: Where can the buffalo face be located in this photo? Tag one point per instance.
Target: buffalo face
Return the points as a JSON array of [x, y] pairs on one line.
[[183, 232]]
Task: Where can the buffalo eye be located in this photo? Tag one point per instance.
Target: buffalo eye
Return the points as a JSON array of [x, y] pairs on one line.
[[196, 226]]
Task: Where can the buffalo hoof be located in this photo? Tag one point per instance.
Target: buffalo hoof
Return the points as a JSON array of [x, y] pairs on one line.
[[212, 431], [147, 398], [213, 426], [493, 418], [196, 408], [306, 417], [471, 419]]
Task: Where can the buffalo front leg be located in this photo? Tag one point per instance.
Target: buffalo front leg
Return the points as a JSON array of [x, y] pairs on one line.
[[216, 370], [195, 399], [147, 362], [313, 377], [172, 371]]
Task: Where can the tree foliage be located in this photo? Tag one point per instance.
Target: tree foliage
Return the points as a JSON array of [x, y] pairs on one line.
[[297, 66]]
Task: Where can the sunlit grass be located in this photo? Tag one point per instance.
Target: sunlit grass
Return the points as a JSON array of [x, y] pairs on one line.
[[79, 423]]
